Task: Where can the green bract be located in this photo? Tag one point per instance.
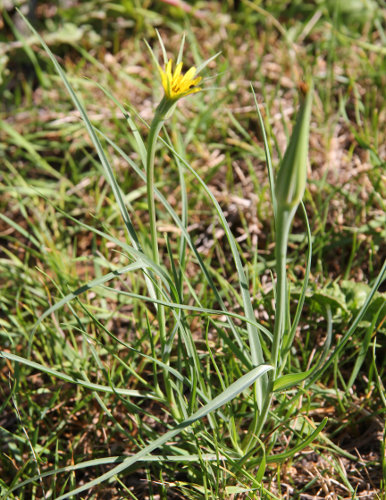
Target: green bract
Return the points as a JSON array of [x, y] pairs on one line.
[[292, 175]]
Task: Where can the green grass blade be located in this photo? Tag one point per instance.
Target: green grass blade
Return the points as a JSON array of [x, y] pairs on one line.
[[73, 380], [298, 448], [364, 346], [84, 288], [20, 141], [28, 50], [289, 380], [21, 230], [94, 138], [132, 126], [343, 341], [114, 460], [287, 342], [230, 393], [182, 228], [271, 174]]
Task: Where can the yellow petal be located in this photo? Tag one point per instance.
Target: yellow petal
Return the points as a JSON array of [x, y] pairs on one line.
[[192, 91], [176, 84], [196, 80], [177, 71], [169, 69], [189, 75]]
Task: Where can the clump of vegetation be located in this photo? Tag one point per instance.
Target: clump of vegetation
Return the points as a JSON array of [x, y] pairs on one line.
[[192, 298]]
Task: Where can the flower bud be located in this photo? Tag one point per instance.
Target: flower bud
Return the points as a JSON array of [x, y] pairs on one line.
[[292, 175]]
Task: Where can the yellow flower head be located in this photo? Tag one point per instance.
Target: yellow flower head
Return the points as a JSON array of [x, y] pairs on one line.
[[177, 85]]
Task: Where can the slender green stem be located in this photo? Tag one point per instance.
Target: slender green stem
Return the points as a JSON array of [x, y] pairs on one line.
[[283, 224], [290, 184], [155, 127], [161, 113], [284, 220]]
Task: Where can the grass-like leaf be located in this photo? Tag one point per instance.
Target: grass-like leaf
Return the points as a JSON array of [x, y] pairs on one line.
[[228, 395], [73, 380]]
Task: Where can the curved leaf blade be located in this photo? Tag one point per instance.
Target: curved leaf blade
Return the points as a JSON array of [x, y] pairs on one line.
[[230, 393]]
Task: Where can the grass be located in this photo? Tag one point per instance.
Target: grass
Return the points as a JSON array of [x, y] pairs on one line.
[[92, 383]]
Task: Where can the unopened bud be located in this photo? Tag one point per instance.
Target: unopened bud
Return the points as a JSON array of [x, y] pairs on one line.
[[292, 175]]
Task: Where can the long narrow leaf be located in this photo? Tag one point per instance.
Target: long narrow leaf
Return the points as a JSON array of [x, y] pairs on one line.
[[73, 380], [253, 332], [343, 341], [287, 343], [102, 157], [289, 380], [230, 393], [364, 347], [97, 462], [299, 447], [183, 229], [271, 174], [132, 126]]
